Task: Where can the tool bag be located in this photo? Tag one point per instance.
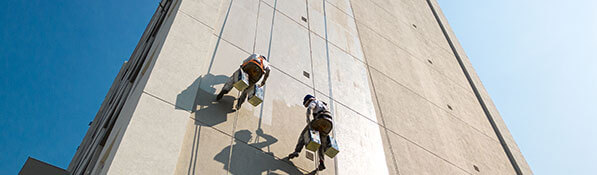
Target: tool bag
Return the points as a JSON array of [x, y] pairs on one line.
[[323, 122], [256, 95], [312, 140], [332, 147], [241, 80]]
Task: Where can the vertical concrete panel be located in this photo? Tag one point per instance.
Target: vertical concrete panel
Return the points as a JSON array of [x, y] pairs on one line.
[[408, 114], [263, 33], [209, 12], [292, 9], [341, 29], [469, 147], [418, 15], [385, 24], [316, 18], [281, 121], [152, 140], [290, 48], [459, 103], [183, 58], [203, 150], [393, 61], [320, 74], [350, 84], [240, 25], [208, 111], [343, 5], [246, 159], [391, 162], [412, 159], [360, 142]]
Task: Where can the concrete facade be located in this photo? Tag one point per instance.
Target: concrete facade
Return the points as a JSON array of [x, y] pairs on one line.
[[405, 98]]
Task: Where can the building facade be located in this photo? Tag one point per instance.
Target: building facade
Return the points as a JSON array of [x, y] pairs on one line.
[[404, 96]]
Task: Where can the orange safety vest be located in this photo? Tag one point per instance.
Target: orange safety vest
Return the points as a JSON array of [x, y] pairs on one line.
[[258, 63], [254, 64]]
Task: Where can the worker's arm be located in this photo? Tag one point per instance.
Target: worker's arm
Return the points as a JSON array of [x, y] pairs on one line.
[[268, 139], [265, 76], [309, 111]]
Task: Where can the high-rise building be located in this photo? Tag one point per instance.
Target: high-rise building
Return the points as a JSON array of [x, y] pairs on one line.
[[404, 96]]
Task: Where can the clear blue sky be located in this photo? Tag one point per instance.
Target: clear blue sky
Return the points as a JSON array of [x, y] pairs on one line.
[[537, 59], [58, 58]]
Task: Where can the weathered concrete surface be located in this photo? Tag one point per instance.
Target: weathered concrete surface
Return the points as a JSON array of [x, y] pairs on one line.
[[401, 102], [139, 152]]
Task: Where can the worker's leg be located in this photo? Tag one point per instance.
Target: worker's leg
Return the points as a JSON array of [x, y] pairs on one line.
[[299, 145], [227, 86], [320, 152], [243, 96]]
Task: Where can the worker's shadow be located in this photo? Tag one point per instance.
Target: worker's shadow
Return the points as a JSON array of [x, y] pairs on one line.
[[247, 158], [206, 110]]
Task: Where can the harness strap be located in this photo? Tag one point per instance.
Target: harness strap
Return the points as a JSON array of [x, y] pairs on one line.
[[259, 63]]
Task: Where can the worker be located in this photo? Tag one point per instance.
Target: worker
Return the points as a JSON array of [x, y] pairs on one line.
[[322, 122], [256, 66]]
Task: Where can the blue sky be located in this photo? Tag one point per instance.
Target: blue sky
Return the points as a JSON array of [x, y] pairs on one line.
[[536, 58], [58, 59]]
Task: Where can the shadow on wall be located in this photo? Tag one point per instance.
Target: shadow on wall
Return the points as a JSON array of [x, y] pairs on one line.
[[206, 110], [247, 158]]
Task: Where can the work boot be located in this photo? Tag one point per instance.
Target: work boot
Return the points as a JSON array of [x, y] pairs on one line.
[[293, 155], [321, 165]]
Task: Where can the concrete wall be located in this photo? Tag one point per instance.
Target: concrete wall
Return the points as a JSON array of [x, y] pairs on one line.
[[401, 101]]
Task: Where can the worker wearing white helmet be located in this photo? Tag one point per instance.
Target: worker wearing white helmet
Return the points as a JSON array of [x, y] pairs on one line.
[[322, 122]]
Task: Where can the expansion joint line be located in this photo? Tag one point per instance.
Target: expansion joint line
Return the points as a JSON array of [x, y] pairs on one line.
[[476, 92], [233, 138]]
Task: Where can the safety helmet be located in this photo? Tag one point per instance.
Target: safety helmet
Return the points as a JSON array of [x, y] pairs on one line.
[[307, 98]]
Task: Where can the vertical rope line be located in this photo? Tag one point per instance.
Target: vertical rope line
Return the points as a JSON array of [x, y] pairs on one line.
[[256, 26], [269, 48], [330, 86], [232, 140], [209, 70], [219, 37], [327, 54], [310, 45]]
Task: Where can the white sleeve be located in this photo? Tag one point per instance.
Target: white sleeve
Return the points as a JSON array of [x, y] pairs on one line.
[[310, 108], [266, 65]]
